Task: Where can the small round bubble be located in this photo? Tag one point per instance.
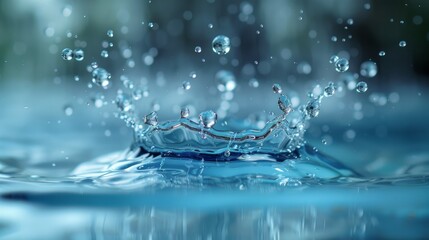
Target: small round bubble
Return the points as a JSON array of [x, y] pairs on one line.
[[197, 49], [78, 54], [402, 43], [342, 65], [381, 53], [361, 87], [67, 54], [221, 45]]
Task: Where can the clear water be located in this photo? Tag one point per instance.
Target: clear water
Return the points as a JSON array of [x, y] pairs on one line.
[[347, 159]]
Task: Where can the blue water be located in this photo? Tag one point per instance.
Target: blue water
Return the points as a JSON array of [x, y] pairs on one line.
[[160, 122]]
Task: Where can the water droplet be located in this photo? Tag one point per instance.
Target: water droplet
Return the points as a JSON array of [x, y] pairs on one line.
[[329, 90], [101, 77], [78, 54], [208, 119], [186, 85], [124, 102], [313, 108], [68, 110], [94, 65], [361, 87], [226, 81], [67, 54], [137, 94], [76, 78], [104, 54], [151, 119], [277, 88], [110, 33], [333, 59], [381, 54], [184, 112], [342, 65], [151, 24], [368, 69], [334, 38], [210, 25], [350, 21], [193, 75], [221, 45], [284, 104], [227, 153], [197, 49], [402, 43]]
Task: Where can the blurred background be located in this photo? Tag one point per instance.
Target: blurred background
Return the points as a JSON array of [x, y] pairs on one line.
[[51, 115]]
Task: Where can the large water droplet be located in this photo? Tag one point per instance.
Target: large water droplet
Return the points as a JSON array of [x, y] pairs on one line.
[[221, 45], [101, 77], [342, 65], [361, 87], [208, 119], [368, 69], [78, 54], [67, 54], [226, 81], [284, 104]]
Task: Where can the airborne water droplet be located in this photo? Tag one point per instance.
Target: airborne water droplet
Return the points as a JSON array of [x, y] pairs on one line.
[[101, 77], [361, 87], [208, 118], [78, 54], [342, 65], [110, 33], [221, 45], [277, 89], [197, 49], [67, 54], [402, 43], [284, 104], [186, 85]]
